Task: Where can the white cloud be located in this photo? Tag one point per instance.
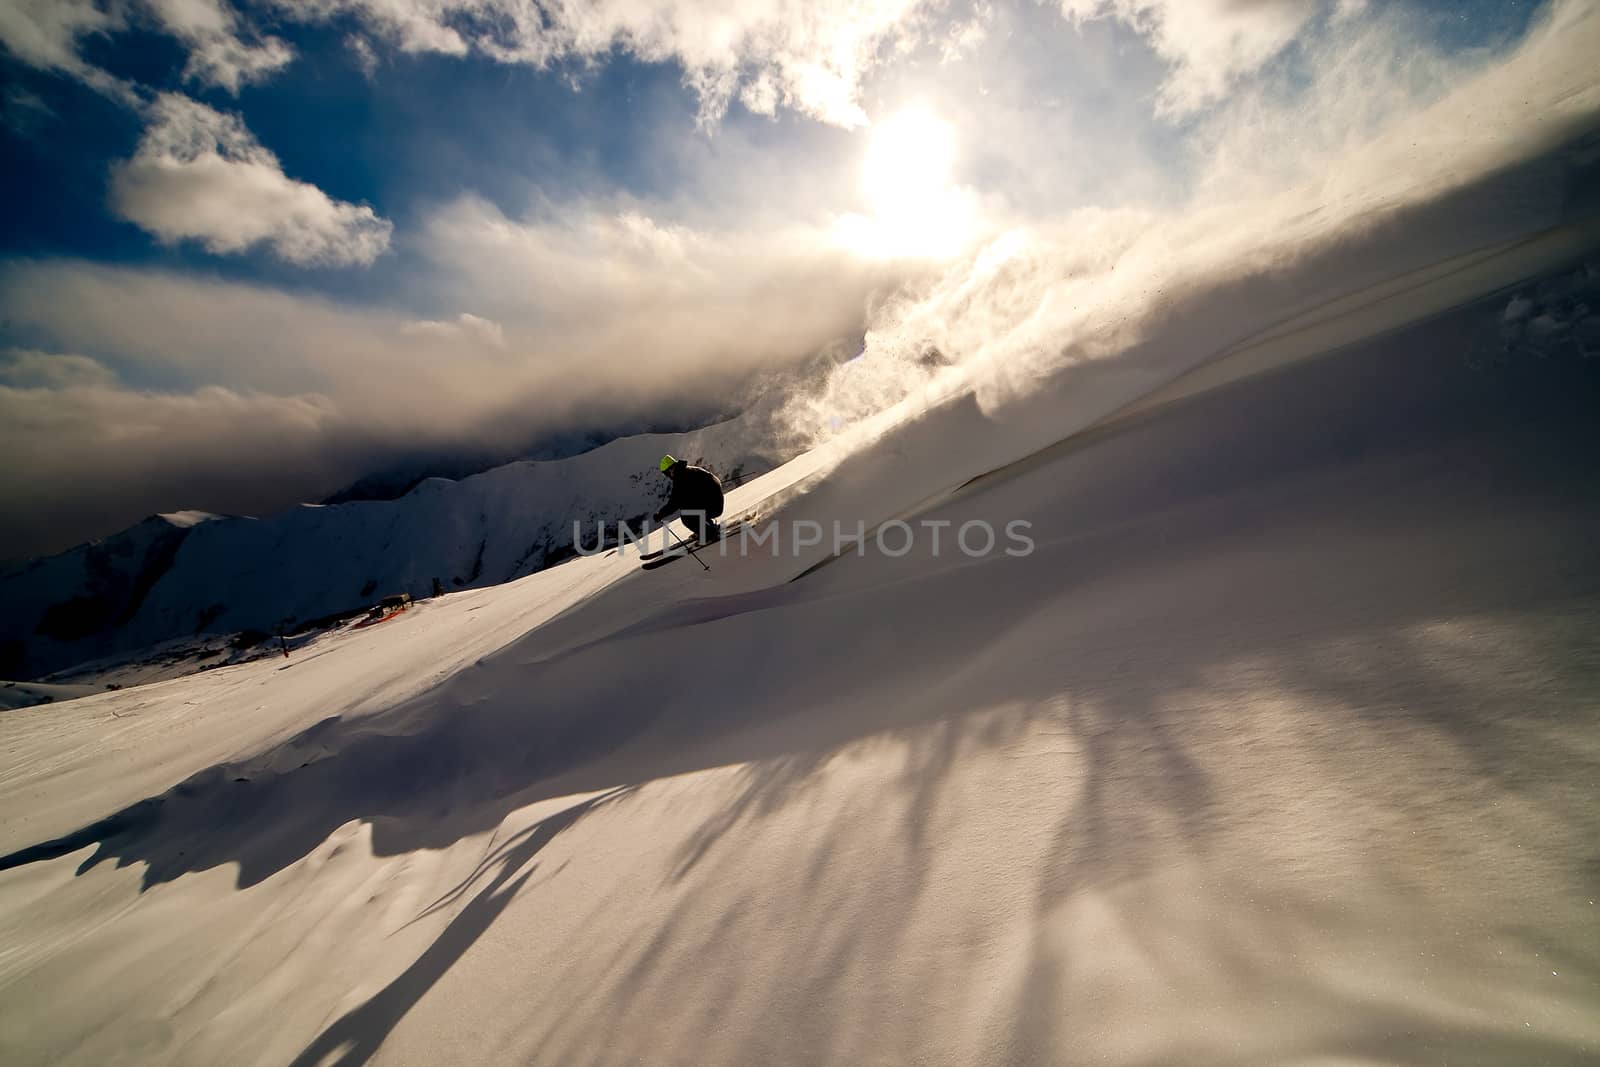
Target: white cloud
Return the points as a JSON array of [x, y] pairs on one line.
[[592, 315], [465, 327], [45, 34], [93, 457], [199, 174], [187, 331], [26, 368], [1210, 44], [811, 57], [622, 295], [224, 51], [219, 54], [964, 38], [24, 111], [366, 56]]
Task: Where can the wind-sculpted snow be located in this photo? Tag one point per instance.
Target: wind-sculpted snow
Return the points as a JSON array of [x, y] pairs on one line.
[[1276, 750]]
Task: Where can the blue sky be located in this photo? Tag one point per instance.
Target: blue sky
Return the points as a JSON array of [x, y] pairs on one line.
[[253, 250]]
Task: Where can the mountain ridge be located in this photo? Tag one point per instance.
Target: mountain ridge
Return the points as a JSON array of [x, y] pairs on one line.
[[192, 572]]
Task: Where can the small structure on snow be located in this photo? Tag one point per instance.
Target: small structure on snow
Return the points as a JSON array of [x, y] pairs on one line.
[[389, 605]]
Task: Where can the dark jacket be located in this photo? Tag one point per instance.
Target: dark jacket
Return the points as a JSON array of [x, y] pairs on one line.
[[693, 489]]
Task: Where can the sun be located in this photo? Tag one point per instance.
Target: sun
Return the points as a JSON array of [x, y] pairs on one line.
[[906, 178], [908, 161]]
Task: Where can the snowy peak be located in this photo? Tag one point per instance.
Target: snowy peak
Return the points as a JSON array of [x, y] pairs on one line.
[[184, 520], [189, 572]]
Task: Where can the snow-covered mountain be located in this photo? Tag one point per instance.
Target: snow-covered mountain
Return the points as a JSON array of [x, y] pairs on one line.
[[187, 573], [403, 473], [1277, 745], [1278, 748]]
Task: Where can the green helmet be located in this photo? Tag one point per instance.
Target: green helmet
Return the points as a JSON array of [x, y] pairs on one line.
[[667, 463]]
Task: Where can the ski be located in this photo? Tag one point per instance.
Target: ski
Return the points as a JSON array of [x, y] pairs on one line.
[[670, 550], [679, 548], [649, 561], [646, 557]]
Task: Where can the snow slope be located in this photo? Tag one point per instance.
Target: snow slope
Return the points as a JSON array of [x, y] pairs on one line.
[[177, 575], [1279, 748], [91, 590], [25, 695]]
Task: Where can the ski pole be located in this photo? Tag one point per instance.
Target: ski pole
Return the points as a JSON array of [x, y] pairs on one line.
[[704, 565], [684, 544], [687, 547], [696, 533]]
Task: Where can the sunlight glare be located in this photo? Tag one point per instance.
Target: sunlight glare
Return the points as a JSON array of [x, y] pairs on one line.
[[908, 161], [906, 177]]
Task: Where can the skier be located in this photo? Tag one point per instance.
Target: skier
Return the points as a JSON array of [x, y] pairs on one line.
[[697, 493]]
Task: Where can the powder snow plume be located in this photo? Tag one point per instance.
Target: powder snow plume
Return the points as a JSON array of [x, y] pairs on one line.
[[1385, 157]]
